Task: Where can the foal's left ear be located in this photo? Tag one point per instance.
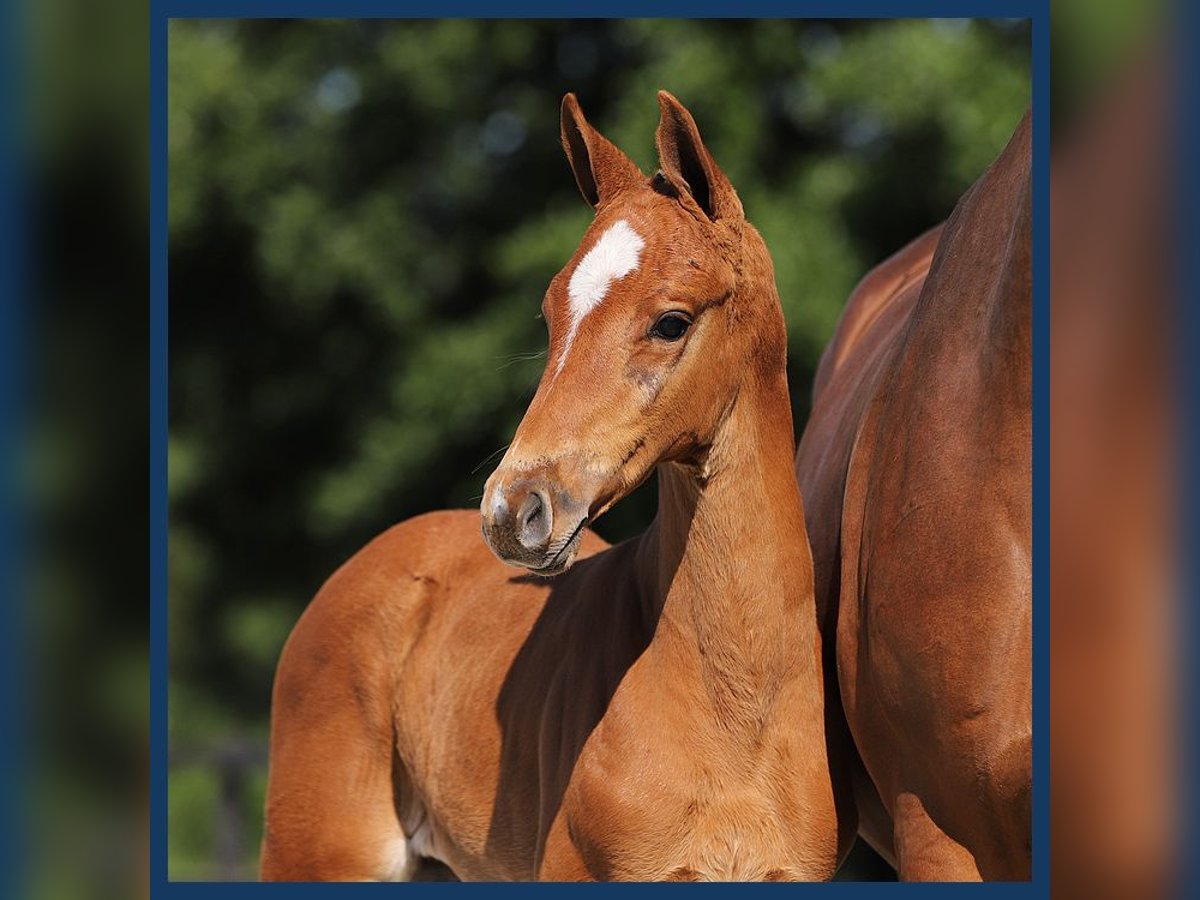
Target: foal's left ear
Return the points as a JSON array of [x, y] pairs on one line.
[[682, 153], [599, 166]]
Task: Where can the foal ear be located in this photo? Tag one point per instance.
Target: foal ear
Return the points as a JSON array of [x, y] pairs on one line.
[[682, 153], [600, 168]]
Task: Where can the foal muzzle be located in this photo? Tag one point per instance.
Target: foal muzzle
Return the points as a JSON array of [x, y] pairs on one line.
[[531, 523]]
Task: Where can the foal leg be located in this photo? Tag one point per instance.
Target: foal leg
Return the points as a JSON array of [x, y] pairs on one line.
[[330, 810], [561, 860], [332, 819], [923, 851]]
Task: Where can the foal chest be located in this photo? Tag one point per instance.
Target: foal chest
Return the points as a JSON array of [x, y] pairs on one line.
[[654, 823]]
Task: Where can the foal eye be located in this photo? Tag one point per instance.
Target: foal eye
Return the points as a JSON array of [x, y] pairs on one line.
[[671, 326]]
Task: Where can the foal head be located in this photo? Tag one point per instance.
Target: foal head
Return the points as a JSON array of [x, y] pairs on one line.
[[665, 310]]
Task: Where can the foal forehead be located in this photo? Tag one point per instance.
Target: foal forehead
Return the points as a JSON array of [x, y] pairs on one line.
[[614, 255], [647, 244]]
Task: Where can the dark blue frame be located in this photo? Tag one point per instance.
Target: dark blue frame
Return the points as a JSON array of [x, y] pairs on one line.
[[1186, 223], [14, 702], [163, 10]]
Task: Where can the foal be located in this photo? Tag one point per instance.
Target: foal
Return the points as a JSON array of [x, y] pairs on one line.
[[652, 711]]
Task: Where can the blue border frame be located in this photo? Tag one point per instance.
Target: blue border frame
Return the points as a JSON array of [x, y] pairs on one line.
[[162, 11], [1041, 450], [14, 313], [1186, 312]]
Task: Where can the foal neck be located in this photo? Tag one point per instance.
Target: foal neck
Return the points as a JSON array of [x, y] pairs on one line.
[[726, 568]]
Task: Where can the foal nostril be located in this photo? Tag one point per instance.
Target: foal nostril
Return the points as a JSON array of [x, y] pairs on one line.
[[531, 510], [534, 521]]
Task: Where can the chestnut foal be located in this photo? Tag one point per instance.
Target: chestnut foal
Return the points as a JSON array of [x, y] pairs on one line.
[[652, 711]]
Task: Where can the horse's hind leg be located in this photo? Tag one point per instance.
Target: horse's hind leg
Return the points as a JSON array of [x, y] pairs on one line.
[[330, 810], [923, 851]]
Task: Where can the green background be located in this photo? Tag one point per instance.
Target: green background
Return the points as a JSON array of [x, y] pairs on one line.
[[363, 219]]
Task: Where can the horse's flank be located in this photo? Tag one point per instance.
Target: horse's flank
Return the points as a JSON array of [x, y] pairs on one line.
[[915, 467]]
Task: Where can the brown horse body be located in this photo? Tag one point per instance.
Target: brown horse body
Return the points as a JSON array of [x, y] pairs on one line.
[[915, 467], [654, 711]]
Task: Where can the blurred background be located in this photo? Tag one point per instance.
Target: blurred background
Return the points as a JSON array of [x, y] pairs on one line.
[[80, 141], [363, 218]]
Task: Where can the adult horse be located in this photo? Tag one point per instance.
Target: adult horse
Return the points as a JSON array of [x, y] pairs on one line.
[[915, 468], [654, 711]]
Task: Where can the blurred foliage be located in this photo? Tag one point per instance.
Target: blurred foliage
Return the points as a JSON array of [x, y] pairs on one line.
[[1091, 45], [364, 217], [83, 134]]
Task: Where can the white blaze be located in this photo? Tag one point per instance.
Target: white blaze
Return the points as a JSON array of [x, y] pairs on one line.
[[613, 257]]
